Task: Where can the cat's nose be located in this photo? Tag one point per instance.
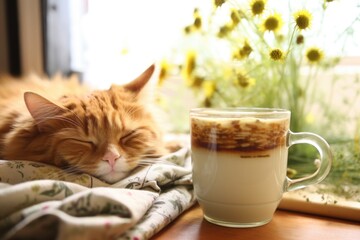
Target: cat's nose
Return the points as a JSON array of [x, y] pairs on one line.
[[111, 156]]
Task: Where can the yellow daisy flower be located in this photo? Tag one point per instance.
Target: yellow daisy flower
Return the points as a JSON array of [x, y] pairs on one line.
[[272, 23], [243, 52], [314, 55], [189, 66], [197, 22], [209, 88], [225, 30], [243, 80], [257, 6], [197, 81], [300, 39], [188, 29], [164, 71], [276, 54], [303, 19], [218, 3], [235, 16], [197, 19]]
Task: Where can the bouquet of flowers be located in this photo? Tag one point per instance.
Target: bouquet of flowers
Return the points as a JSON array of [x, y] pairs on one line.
[[267, 54]]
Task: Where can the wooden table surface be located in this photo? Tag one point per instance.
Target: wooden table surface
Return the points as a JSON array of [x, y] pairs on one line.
[[285, 225]]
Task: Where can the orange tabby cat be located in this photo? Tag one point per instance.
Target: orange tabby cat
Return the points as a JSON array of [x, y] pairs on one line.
[[103, 133]]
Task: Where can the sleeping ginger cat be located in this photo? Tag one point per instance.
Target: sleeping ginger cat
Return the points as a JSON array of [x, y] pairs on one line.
[[102, 133]]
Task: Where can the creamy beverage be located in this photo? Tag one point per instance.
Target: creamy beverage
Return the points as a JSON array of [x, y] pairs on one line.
[[239, 159], [238, 163]]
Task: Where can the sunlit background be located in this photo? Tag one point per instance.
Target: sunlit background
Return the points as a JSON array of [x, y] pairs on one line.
[[112, 40]]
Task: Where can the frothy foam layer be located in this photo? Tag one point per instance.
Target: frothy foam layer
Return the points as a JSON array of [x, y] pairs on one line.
[[243, 134]]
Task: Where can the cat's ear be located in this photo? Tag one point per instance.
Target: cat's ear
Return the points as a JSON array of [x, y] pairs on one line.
[[41, 109], [140, 82]]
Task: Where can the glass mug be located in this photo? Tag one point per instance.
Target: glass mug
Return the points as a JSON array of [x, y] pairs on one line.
[[239, 158]]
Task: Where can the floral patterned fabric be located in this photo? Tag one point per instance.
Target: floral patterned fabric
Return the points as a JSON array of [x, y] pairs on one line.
[[45, 202]]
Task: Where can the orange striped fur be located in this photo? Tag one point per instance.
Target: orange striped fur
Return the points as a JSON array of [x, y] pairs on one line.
[[61, 122]]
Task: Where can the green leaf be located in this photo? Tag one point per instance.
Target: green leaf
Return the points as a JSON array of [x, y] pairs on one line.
[[57, 188], [49, 193]]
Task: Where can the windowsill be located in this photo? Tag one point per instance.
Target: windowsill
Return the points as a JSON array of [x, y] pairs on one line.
[[307, 200]]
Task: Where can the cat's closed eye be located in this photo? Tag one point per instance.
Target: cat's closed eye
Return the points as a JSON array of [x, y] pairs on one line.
[[82, 142], [137, 139], [85, 142], [127, 136]]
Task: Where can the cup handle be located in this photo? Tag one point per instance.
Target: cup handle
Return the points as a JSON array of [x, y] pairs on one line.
[[326, 159]]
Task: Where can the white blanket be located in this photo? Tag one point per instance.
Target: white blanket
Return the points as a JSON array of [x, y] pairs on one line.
[[45, 202]]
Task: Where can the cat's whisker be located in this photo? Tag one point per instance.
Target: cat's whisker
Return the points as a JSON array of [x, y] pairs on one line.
[[148, 155], [68, 120], [71, 171], [55, 115], [78, 118], [132, 110], [144, 165], [155, 161], [149, 159], [54, 175], [64, 119]]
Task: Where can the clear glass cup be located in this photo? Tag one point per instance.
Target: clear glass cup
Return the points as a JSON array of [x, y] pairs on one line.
[[239, 158]]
